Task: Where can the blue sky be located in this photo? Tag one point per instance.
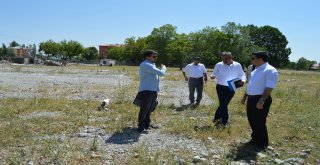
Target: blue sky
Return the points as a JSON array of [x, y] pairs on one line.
[[94, 22]]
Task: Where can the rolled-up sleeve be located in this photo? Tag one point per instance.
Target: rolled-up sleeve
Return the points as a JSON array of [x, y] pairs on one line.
[[215, 71], [241, 74], [153, 69], [204, 69], [271, 78], [186, 68]]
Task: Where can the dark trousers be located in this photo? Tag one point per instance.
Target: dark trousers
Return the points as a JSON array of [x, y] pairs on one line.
[[225, 95], [257, 120], [148, 99], [195, 84]]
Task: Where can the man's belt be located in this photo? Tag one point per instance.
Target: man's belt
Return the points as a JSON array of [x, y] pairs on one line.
[[254, 96], [196, 77]]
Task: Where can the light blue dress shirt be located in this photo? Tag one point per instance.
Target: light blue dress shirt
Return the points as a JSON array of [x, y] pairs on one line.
[[149, 76], [264, 76]]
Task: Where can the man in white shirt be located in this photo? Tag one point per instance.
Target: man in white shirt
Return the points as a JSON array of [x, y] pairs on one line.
[[263, 79], [224, 71], [197, 73]]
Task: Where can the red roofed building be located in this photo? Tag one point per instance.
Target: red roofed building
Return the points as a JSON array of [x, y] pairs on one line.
[[103, 49], [19, 51]]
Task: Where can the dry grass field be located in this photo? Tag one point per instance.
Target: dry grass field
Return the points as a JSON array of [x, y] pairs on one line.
[[58, 125]]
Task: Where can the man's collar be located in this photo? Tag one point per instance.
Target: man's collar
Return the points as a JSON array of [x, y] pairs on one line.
[[262, 66], [229, 64], [148, 61]]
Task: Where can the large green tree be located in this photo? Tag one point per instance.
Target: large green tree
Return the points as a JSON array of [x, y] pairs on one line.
[[159, 39], [1, 55], [304, 64], [179, 49], [134, 48], [32, 50], [207, 43], [4, 49], [14, 44], [71, 48], [117, 53], [50, 48], [90, 53], [272, 40]]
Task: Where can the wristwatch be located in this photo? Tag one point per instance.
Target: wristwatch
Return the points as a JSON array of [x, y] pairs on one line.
[[261, 101]]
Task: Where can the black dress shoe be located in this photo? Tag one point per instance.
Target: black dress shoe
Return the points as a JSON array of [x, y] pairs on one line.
[[225, 125], [142, 130], [261, 148], [154, 126], [249, 142], [217, 123]]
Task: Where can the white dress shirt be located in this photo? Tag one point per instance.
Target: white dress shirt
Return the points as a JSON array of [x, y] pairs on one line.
[[195, 71], [224, 72], [264, 76]]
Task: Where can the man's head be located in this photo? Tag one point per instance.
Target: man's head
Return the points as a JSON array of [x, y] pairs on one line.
[[226, 57], [260, 57], [151, 55], [196, 60]]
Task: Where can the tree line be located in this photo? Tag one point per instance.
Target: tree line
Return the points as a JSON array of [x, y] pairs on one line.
[[63, 49], [178, 49], [68, 49]]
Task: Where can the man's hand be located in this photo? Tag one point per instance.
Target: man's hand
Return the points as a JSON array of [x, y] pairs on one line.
[[186, 78], [212, 77], [163, 66], [241, 83], [259, 106]]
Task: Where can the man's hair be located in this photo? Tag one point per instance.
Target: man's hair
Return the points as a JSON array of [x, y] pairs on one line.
[[225, 53], [148, 53], [196, 58], [262, 54]]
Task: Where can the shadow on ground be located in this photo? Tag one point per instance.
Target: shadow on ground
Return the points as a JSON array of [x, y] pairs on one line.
[[243, 152], [186, 106], [125, 136]]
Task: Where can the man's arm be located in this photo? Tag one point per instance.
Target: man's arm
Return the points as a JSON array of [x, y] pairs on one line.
[[214, 72], [205, 77], [185, 76], [244, 98], [205, 74], [242, 75], [266, 93], [160, 72], [271, 82], [184, 72]]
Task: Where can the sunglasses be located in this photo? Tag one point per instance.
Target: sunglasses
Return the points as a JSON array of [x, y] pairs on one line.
[[154, 56]]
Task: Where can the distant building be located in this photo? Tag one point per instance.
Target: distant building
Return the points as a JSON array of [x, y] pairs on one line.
[[103, 49], [315, 66], [107, 62], [19, 52]]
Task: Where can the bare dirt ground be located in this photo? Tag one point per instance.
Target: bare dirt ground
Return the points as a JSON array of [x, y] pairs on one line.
[[55, 82]]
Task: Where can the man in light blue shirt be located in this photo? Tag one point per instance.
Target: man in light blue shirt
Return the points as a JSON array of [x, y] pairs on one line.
[[263, 80], [148, 88]]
